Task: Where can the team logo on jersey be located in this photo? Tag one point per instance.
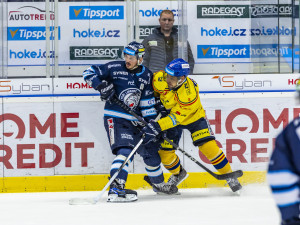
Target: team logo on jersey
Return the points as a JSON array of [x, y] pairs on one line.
[[131, 97]]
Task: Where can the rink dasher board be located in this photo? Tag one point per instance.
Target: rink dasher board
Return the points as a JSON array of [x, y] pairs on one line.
[[79, 157]]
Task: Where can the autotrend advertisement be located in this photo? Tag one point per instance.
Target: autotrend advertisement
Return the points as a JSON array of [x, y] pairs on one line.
[[86, 32], [26, 33]]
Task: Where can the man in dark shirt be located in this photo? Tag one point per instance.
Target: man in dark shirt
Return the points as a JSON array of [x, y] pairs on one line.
[[161, 47]]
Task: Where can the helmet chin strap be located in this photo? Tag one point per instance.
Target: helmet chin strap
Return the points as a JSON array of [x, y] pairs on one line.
[[178, 84], [140, 60]]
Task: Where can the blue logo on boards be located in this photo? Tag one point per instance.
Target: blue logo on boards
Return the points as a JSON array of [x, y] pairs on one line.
[[96, 12], [30, 33], [223, 51]]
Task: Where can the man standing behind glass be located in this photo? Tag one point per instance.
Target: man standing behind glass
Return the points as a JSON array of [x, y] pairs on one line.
[[161, 47]]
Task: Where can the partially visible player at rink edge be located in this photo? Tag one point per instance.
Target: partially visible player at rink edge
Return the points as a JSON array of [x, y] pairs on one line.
[[179, 94], [284, 170], [131, 82]]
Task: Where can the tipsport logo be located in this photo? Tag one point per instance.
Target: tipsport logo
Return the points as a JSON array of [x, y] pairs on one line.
[[244, 51], [30, 33], [270, 50], [96, 12], [223, 51]]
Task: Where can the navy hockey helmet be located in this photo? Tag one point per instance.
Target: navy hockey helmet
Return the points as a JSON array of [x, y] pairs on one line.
[[135, 48], [178, 67]]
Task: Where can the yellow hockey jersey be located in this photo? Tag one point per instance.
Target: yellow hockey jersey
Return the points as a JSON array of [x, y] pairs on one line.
[[183, 102]]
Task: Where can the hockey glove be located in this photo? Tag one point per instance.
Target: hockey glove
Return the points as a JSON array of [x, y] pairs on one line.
[[293, 221], [106, 90], [151, 131], [160, 108]]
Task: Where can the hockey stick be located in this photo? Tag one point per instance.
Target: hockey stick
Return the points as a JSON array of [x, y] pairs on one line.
[[234, 174], [92, 201]]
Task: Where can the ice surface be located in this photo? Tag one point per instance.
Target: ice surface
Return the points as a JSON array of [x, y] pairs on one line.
[[212, 206]]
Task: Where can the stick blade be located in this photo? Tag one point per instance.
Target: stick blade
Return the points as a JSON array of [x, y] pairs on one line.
[[82, 201], [235, 174]]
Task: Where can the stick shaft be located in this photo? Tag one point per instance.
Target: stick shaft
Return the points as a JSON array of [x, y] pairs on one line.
[[97, 198], [141, 119]]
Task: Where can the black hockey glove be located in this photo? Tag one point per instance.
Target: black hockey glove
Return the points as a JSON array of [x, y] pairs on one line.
[[293, 221], [160, 108], [151, 131], [106, 90]]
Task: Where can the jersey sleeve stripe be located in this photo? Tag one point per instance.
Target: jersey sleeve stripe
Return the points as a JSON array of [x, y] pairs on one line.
[[287, 198], [282, 178]]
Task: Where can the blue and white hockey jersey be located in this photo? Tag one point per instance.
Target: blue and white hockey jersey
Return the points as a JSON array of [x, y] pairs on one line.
[[134, 89], [284, 171]]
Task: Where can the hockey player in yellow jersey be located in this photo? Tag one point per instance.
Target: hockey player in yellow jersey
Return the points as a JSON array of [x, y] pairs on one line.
[[180, 96]]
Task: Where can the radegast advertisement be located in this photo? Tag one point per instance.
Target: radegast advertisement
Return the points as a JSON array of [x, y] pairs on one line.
[[145, 31], [222, 11], [274, 10], [247, 11], [96, 52]]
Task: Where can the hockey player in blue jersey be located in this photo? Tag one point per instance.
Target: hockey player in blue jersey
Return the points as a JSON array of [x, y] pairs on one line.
[[284, 171], [131, 82]]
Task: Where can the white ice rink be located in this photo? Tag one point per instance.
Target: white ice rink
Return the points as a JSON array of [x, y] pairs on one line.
[[213, 206]]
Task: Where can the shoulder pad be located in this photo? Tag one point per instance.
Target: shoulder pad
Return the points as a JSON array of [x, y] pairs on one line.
[[187, 93], [159, 81]]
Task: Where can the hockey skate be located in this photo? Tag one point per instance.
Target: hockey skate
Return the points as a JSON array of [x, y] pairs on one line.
[[162, 188], [234, 184], [118, 193], [177, 179]]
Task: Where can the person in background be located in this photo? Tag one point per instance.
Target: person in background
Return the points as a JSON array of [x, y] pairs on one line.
[[131, 82], [180, 95], [284, 171], [161, 47]]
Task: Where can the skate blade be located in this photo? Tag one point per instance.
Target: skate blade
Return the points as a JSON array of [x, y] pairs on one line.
[[161, 193], [237, 193], [115, 198], [82, 201]]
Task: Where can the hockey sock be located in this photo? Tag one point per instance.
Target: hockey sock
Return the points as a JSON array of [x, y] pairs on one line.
[[216, 156], [155, 174], [170, 161], [118, 161]]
